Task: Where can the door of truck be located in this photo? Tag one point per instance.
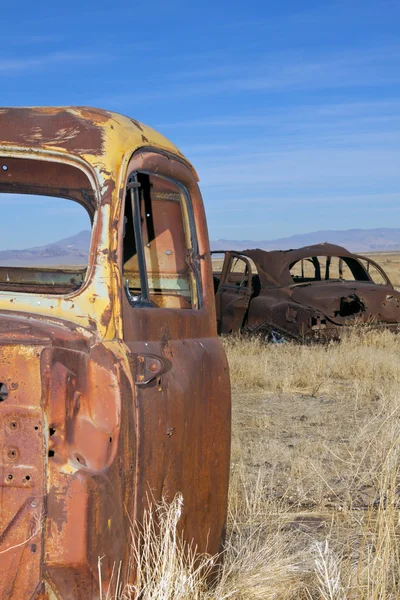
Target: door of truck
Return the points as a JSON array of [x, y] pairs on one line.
[[179, 369], [233, 293]]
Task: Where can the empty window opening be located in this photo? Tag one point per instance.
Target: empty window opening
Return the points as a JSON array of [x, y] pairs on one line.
[[306, 270], [46, 210], [375, 273], [328, 268], [217, 260], [159, 247], [238, 273]]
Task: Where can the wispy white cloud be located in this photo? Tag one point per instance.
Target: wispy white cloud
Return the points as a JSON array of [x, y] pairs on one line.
[[326, 13], [305, 166], [346, 69], [372, 111], [17, 65], [377, 201], [31, 39]]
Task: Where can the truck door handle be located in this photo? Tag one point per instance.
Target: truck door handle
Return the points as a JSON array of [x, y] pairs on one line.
[[148, 367]]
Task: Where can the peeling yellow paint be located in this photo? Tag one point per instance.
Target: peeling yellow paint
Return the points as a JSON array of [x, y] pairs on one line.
[[105, 166]]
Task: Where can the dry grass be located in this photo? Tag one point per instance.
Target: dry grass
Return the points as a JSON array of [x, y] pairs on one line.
[[322, 423], [314, 505]]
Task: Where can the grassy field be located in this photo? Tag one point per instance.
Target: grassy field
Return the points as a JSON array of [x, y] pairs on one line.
[[315, 467], [314, 495]]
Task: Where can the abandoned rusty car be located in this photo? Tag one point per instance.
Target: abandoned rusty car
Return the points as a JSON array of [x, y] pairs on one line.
[[310, 292], [114, 386]]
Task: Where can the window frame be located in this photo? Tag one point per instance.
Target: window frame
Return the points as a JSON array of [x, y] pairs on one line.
[[375, 265], [88, 201], [191, 239], [247, 274]]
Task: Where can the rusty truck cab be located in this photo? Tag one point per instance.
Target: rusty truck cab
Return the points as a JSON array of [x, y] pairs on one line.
[[114, 388]]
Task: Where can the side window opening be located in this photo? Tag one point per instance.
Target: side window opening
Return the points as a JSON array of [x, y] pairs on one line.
[[329, 268], [306, 270], [238, 273], [159, 247], [374, 273], [337, 269], [217, 261], [352, 269]]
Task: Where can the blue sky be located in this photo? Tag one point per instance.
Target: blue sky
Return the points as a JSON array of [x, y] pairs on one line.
[[288, 110]]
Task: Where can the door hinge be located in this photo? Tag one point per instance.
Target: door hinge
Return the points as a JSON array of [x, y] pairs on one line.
[[148, 367]]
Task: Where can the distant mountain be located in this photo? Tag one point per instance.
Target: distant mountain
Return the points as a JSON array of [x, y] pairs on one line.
[[74, 250], [68, 251], [355, 240]]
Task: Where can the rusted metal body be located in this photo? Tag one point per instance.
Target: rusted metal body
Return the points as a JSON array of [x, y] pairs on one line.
[[310, 292], [107, 398]]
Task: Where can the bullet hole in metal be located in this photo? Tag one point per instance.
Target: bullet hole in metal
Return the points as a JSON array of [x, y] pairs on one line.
[[36, 427], [110, 440], [52, 431], [12, 454], [13, 425], [80, 459], [51, 453], [27, 477], [33, 548], [10, 477], [3, 391], [5, 168]]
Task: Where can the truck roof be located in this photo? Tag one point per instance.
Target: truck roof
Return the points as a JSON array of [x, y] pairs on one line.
[[102, 138]]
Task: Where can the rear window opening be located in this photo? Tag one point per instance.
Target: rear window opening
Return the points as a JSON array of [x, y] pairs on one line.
[[47, 212]]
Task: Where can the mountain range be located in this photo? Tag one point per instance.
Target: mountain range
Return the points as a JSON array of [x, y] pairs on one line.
[[74, 250], [355, 240]]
